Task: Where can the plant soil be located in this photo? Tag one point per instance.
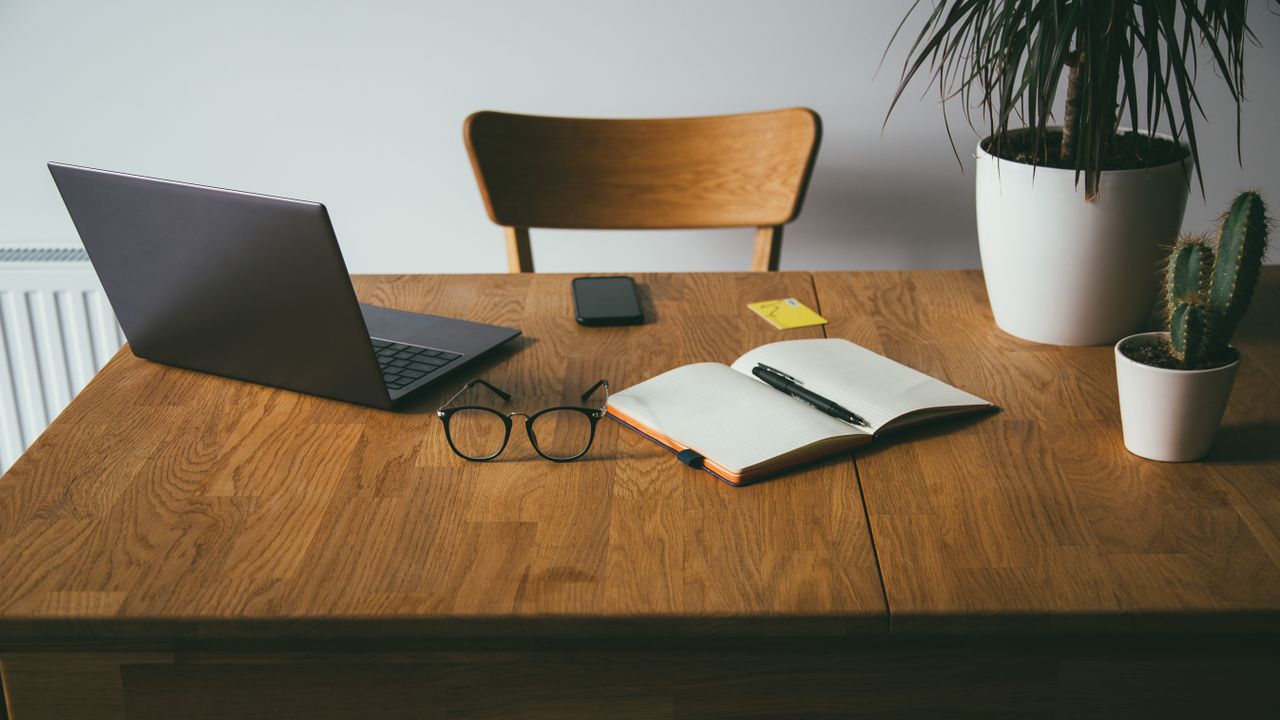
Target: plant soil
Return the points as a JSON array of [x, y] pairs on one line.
[[1129, 151], [1160, 355]]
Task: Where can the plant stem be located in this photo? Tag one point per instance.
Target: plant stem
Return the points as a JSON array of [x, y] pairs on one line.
[[1071, 117]]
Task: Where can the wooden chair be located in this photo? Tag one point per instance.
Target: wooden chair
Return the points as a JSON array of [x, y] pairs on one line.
[[703, 172]]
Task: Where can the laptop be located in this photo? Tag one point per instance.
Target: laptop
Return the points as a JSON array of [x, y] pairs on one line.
[[253, 287]]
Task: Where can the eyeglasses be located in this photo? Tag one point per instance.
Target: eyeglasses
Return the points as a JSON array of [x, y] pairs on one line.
[[559, 434]]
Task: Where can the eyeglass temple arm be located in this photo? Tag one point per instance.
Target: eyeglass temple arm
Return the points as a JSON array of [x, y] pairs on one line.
[[595, 387], [497, 391]]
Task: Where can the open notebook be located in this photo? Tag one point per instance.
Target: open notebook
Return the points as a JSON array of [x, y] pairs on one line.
[[743, 430]]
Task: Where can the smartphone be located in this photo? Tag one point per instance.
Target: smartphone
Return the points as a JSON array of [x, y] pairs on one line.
[[607, 301]]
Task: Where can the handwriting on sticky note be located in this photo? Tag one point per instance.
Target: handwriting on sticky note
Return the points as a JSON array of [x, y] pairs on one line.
[[787, 313]]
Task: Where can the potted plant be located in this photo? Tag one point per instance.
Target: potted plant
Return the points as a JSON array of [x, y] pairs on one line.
[[1174, 385], [1072, 213]]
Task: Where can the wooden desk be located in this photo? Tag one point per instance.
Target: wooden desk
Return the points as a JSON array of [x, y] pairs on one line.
[[182, 545], [1036, 519]]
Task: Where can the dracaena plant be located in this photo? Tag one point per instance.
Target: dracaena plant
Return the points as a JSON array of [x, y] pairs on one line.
[[1124, 60]]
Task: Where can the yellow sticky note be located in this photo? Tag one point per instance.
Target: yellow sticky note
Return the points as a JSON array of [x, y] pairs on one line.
[[787, 313]]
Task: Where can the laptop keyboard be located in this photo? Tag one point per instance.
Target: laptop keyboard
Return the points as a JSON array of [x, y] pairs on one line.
[[402, 364]]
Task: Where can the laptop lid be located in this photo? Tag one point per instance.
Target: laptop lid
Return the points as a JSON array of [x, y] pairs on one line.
[[247, 286]]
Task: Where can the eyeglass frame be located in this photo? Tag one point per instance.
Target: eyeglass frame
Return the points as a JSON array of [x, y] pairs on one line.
[[444, 412]]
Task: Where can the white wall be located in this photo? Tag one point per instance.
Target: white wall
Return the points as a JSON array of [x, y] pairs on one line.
[[360, 105]]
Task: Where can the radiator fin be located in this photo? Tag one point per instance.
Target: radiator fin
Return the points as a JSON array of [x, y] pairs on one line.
[[39, 254], [56, 331]]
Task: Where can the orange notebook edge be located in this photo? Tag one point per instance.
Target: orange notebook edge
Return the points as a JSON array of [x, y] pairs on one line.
[[719, 471]]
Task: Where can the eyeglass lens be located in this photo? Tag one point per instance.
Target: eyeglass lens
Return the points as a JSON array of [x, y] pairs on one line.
[[561, 434], [476, 433]]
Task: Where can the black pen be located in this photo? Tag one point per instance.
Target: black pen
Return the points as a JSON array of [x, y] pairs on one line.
[[781, 381]]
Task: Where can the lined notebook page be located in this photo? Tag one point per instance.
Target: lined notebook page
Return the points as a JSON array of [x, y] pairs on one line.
[[725, 416], [867, 383]]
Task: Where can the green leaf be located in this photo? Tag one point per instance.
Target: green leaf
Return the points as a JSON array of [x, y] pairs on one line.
[[1003, 61]]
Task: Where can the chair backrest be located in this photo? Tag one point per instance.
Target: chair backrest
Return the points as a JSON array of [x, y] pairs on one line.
[[748, 170]]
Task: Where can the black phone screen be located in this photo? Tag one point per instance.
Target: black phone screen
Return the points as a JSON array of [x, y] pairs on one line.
[[607, 301]]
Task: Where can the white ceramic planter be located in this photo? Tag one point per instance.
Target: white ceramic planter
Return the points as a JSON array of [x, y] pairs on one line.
[[1066, 272], [1170, 415]]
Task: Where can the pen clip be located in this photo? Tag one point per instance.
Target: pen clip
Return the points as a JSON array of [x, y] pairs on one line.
[[779, 373]]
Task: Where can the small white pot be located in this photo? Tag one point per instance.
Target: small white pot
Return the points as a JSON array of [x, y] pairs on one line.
[[1066, 272], [1170, 415]]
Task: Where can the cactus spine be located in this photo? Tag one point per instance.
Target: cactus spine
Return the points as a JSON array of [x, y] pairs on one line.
[[1208, 289], [1190, 268], [1241, 244], [1189, 332], [1190, 272]]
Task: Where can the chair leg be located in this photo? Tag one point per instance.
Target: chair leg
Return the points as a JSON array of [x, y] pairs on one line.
[[768, 248], [519, 253]]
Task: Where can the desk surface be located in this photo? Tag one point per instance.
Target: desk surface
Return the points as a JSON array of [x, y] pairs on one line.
[[1037, 518], [165, 503], [170, 502]]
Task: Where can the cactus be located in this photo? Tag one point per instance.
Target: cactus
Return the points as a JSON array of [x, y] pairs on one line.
[[1208, 288], [1190, 268], [1189, 330], [1241, 245]]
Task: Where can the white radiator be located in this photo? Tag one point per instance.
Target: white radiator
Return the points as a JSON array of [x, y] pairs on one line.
[[56, 331]]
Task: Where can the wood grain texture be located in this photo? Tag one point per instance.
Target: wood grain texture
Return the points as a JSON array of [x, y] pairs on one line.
[[173, 534], [768, 249], [1036, 518], [748, 170], [165, 504], [519, 250]]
